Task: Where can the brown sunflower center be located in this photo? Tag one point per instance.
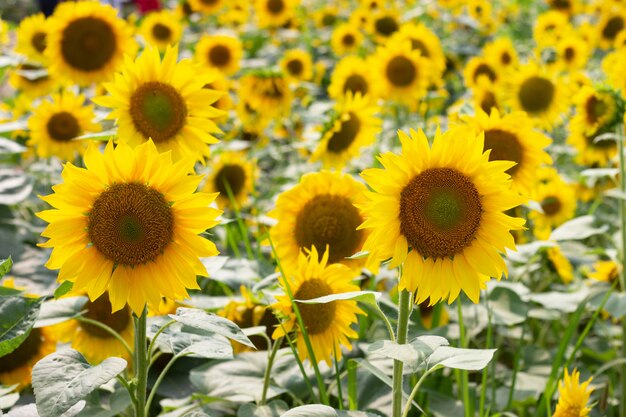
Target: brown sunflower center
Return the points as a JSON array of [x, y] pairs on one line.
[[39, 41], [316, 317], [100, 311], [343, 138], [505, 146], [417, 44], [488, 102], [386, 25], [161, 32], [613, 26], [332, 220], [348, 40], [536, 94], [484, 70], [249, 136], [234, 176], [209, 2], [329, 19], [274, 88], [63, 127], [569, 54], [158, 111], [560, 4], [355, 83], [295, 67], [88, 44], [275, 6], [551, 205], [440, 212], [506, 58], [595, 108], [401, 71], [219, 55], [24, 352], [131, 224]]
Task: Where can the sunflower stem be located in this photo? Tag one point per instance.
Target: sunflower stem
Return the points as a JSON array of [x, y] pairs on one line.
[[160, 378], [242, 227], [268, 370], [622, 214], [467, 407], [484, 381], [156, 335], [404, 305], [416, 388], [338, 376], [141, 363]]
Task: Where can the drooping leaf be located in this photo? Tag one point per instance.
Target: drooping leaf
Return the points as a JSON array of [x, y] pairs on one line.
[[17, 317], [210, 323], [412, 354], [458, 358]]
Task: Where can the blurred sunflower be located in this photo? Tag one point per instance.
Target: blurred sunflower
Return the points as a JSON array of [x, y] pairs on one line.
[[55, 124], [32, 81], [427, 43], [346, 39], [446, 203], [122, 221], [561, 264], [478, 71], [326, 17], [328, 325], [568, 7], [4, 32], [558, 203], [572, 53], [164, 101], [220, 52], [383, 24], [501, 52], [594, 110], [31, 38], [353, 75], [352, 126], [612, 22], [87, 42], [485, 97], [207, 7], [573, 396], [221, 84], [427, 315], [297, 65], [274, 13], [267, 93], [235, 171], [550, 27], [605, 271], [161, 29]]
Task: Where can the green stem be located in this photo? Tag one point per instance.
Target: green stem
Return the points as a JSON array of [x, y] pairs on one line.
[[484, 380], [108, 330], [404, 305], [352, 365], [242, 227], [268, 370], [622, 213], [141, 363], [416, 388], [160, 379], [338, 376], [154, 338], [467, 407]]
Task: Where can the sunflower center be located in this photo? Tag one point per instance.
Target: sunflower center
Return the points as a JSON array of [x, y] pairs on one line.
[[505, 58], [488, 102], [158, 111], [536, 94], [561, 4], [24, 352], [88, 44], [131, 224], [219, 55], [161, 32], [329, 19], [63, 127], [486, 70], [39, 41], [249, 136], [329, 220], [234, 176], [386, 25], [348, 40], [209, 2], [401, 72], [551, 205], [613, 26], [595, 108], [100, 311], [275, 88], [417, 44], [569, 54], [355, 84], [504, 147], [275, 6], [343, 138], [440, 212], [317, 318], [295, 67]]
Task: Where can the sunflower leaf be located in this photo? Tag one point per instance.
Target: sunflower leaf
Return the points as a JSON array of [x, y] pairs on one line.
[[9, 147], [5, 266], [458, 358], [412, 354], [319, 410], [367, 297], [271, 409], [57, 311], [64, 288], [63, 378], [577, 229], [15, 186], [17, 317], [210, 323]]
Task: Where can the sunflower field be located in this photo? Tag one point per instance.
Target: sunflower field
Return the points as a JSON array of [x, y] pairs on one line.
[[311, 208]]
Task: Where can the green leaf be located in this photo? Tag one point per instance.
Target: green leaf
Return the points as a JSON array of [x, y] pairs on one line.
[[272, 409], [15, 186], [412, 354], [63, 378], [458, 358], [5, 266], [57, 311], [507, 307], [367, 297], [64, 288], [578, 229], [17, 317], [319, 410], [210, 323], [9, 147]]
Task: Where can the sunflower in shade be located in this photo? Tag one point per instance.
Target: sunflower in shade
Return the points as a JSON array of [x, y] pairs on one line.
[[32, 36], [161, 29], [233, 177]]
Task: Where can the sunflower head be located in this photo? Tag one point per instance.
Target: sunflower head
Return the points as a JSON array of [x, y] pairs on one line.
[[233, 177], [161, 29], [352, 76], [220, 52], [32, 35], [573, 396], [346, 38]]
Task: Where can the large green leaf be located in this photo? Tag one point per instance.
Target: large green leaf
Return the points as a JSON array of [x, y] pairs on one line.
[[458, 358], [507, 306], [271, 409], [63, 378], [17, 317], [412, 354], [210, 323]]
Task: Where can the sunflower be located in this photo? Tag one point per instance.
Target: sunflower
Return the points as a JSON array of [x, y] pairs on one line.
[[427, 315], [501, 52], [605, 271], [95, 343], [232, 173], [352, 75], [550, 27], [572, 53], [540, 93], [573, 396], [326, 16], [512, 138], [87, 42], [561, 264], [328, 325], [161, 29], [220, 52], [17, 366], [568, 7], [594, 110], [403, 72], [319, 212], [346, 39], [612, 22], [55, 124], [558, 203], [207, 7], [164, 101], [122, 221], [613, 65], [485, 97], [32, 81], [446, 203], [237, 13], [274, 13], [479, 71], [353, 126], [4, 33], [267, 93], [297, 65], [383, 24], [31, 38], [427, 43], [221, 84]]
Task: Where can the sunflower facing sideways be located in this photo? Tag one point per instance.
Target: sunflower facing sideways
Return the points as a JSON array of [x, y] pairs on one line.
[[220, 52], [31, 38], [164, 101], [232, 173], [573, 396], [55, 124], [161, 29], [328, 325], [446, 203], [87, 42], [129, 223]]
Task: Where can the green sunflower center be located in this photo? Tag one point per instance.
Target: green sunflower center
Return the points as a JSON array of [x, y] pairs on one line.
[[484, 70], [88, 44], [24, 352], [348, 40], [234, 176], [551, 205], [536, 94], [219, 55], [417, 44], [100, 311], [158, 111], [295, 67], [440, 212], [505, 146], [63, 127], [131, 224], [401, 71], [317, 318], [39, 41], [161, 32], [329, 220], [347, 133], [355, 83], [613, 26], [386, 25], [275, 6], [595, 108], [488, 102], [329, 19]]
